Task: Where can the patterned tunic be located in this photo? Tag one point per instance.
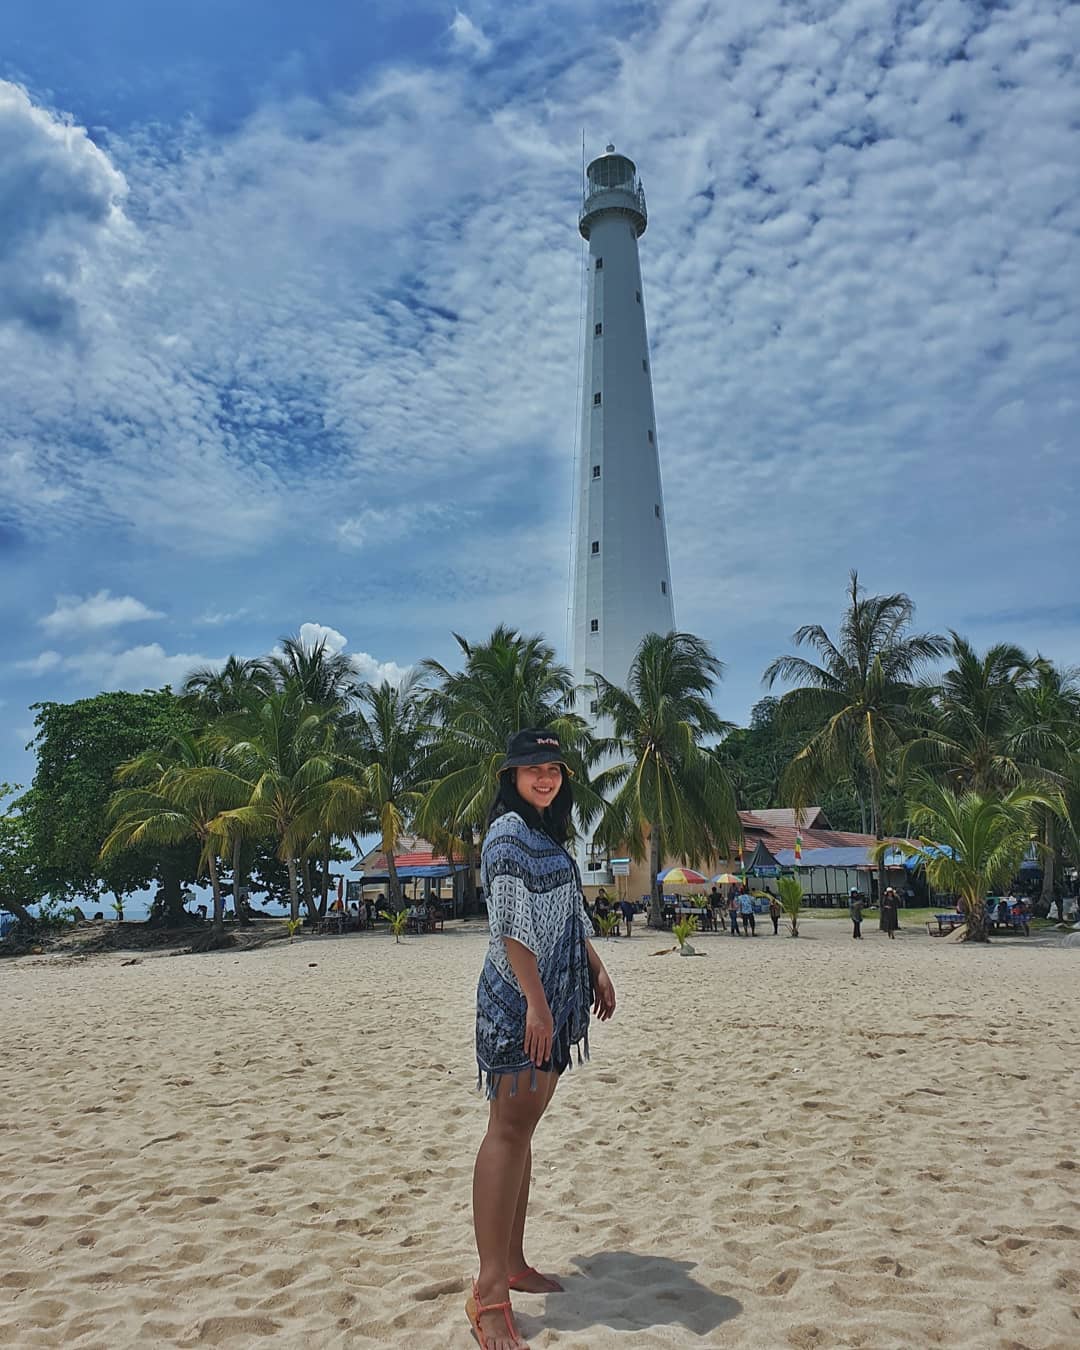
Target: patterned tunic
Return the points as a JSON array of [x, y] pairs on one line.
[[534, 896]]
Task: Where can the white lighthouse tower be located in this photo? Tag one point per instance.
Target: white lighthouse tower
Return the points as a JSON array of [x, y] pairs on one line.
[[622, 580]]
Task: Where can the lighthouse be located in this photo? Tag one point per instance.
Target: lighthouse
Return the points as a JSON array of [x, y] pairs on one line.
[[621, 575], [622, 582]]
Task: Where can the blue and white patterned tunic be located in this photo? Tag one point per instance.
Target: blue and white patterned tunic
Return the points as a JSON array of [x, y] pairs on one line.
[[533, 891]]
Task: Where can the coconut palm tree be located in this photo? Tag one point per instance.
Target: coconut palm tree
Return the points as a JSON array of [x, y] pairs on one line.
[[508, 682], [214, 692], [283, 746], [858, 693], [970, 842], [669, 794], [180, 792], [325, 678], [385, 754], [967, 720], [1046, 737]]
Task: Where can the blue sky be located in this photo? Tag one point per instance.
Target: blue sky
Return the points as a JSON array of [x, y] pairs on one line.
[[289, 308]]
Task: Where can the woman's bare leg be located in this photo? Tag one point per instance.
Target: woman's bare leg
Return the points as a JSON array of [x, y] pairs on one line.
[[497, 1180], [534, 1283]]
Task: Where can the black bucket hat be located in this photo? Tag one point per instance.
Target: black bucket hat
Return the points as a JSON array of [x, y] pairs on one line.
[[534, 747]]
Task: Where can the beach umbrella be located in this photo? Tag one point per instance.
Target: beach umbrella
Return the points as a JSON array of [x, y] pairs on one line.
[[681, 876], [725, 879]]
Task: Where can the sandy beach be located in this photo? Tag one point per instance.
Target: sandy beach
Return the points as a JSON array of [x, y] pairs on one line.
[[807, 1143]]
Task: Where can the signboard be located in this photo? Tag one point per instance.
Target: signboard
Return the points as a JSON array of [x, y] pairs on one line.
[[620, 867]]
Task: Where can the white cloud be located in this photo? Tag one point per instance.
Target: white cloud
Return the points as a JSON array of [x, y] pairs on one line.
[[74, 614], [40, 664], [378, 672], [142, 667], [311, 634], [469, 37], [60, 202], [218, 618]]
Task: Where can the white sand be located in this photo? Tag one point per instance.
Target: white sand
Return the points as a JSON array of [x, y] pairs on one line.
[[808, 1143]]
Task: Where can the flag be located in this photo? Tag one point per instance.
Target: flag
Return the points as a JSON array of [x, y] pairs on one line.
[[798, 848]]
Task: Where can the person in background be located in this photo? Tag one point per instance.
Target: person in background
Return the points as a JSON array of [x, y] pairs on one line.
[[855, 909], [890, 921], [627, 909], [746, 912], [733, 913], [774, 913], [1021, 915], [716, 904]]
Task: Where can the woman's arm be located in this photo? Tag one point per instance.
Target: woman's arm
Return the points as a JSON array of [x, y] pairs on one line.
[[539, 1023], [603, 989]]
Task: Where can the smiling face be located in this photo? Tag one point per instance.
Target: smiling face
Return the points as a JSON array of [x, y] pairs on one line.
[[538, 784]]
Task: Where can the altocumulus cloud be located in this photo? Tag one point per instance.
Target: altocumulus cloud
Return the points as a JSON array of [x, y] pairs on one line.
[[859, 270]]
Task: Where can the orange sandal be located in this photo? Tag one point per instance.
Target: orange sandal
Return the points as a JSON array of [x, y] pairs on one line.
[[474, 1310]]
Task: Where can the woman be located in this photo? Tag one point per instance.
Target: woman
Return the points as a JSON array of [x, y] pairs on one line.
[[539, 979], [890, 921], [774, 913]]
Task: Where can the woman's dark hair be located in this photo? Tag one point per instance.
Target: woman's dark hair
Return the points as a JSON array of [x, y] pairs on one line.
[[554, 820]]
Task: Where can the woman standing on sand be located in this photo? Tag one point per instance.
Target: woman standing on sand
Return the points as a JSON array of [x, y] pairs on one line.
[[539, 980], [890, 922]]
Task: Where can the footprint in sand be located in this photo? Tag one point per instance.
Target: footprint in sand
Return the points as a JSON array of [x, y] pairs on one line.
[[780, 1284]]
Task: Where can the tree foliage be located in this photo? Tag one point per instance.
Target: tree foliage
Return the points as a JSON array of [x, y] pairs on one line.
[[79, 748]]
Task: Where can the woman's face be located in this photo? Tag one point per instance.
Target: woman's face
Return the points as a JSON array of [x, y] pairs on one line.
[[538, 783]]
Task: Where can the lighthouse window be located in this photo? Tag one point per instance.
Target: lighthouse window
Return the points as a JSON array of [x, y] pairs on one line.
[[650, 436], [663, 588], [596, 545], [637, 296], [599, 264], [645, 366], [594, 706], [598, 330], [597, 398], [656, 508], [594, 625], [596, 470]]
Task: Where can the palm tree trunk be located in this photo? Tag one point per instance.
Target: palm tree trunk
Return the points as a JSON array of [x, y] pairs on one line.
[[218, 928], [294, 892], [239, 906], [875, 809], [325, 874], [1049, 861], [395, 883], [309, 893], [656, 893], [468, 902], [975, 908]]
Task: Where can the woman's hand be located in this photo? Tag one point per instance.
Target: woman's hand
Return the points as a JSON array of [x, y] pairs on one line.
[[539, 1030], [603, 995]]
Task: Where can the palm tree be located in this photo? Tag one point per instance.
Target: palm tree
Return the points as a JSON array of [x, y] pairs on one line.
[[182, 789], [1046, 736], [671, 796], [509, 682], [969, 718], [325, 678], [283, 747], [385, 755], [971, 842], [858, 694], [214, 692]]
